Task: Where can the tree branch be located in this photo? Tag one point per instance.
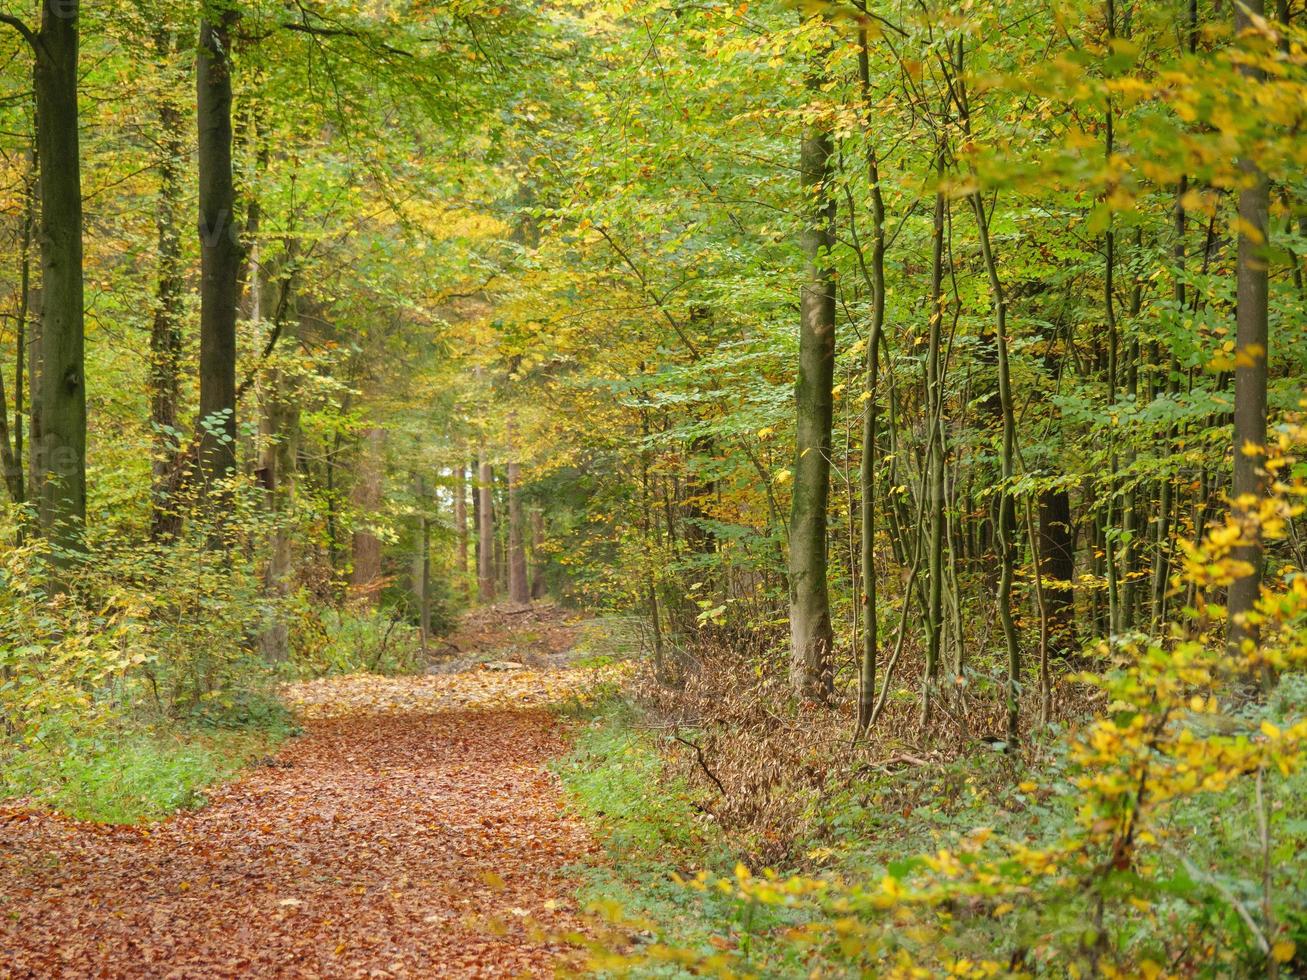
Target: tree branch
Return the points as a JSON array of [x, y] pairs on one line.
[[21, 28]]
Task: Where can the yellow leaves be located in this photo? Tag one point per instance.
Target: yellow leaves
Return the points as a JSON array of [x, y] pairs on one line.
[[1246, 229], [782, 477], [1283, 951]]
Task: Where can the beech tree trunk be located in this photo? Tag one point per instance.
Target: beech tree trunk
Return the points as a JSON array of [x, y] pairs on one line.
[[810, 621], [869, 649], [539, 586], [11, 443], [365, 578], [280, 425], [460, 520], [220, 251], [59, 454], [166, 331], [1250, 368], [1057, 566], [485, 532], [518, 591]]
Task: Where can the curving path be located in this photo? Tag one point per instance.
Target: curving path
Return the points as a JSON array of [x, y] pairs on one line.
[[375, 846]]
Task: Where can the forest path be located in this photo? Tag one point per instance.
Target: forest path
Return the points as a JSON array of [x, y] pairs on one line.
[[379, 844]]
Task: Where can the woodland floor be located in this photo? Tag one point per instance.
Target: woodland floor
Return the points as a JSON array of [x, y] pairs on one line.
[[412, 831]]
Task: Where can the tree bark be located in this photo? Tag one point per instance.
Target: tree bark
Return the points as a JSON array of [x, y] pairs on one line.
[[11, 446], [518, 590], [220, 250], [936, 510], [870, 433], [365, 578], [485, 531], [166, 330], [280, 438], [1250, 370], [1057, 569], [59, 454], [539, 584], [460, 520], [811, 633]]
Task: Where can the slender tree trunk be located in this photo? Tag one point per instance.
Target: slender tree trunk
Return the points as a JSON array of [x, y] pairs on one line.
[[11, 447], [870, 425], [1250, 370], [936, 509], [280, 425], [460, 520], [1057, 569], [28, 312], [59, 457], [421, 565], [812, 636], [1006, 522], [539, 585], [518, 590], [220, 250], [166, 331], [365, 579], [485, 531]]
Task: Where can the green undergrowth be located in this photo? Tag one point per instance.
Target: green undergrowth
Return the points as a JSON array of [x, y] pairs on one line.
[[654, 832], [131, 773], [873, 825]]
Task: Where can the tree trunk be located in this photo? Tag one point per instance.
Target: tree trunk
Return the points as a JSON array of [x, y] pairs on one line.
[[518, 591], [280, 425], [460, 520], [1250, 369], [870, 433], [220, 251], [485, 532], [539, 585], [60, 454], [365, 578], [936, 511], [166, 331], [11, 446], [810, 621], [1057, 569], [420, 586]]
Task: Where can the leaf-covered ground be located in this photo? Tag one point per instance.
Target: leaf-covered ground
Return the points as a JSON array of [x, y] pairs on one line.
[[413, 813]]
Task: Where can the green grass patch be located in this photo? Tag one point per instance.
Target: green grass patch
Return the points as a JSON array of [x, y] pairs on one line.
[[652, 831], [131, 774]]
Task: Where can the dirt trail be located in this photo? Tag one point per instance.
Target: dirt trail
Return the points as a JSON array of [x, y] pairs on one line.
[[369, 849]]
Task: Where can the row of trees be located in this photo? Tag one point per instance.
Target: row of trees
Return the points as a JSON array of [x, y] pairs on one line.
[[1048, 253]]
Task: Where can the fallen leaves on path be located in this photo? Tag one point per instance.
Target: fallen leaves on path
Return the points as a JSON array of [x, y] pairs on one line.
[[335, 697], [377, 847]]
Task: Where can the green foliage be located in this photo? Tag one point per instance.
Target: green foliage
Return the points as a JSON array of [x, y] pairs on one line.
[[616, 779], [362, 640], [127, 775]]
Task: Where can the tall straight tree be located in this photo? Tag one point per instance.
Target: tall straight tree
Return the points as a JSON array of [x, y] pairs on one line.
[[59, 456], [166, 331], [1251, 340], [460, 519], [485, 530], [810, 620], [518, 589], [220, 250]]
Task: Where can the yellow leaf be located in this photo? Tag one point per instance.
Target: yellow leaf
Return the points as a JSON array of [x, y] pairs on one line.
[[1282, 952]]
